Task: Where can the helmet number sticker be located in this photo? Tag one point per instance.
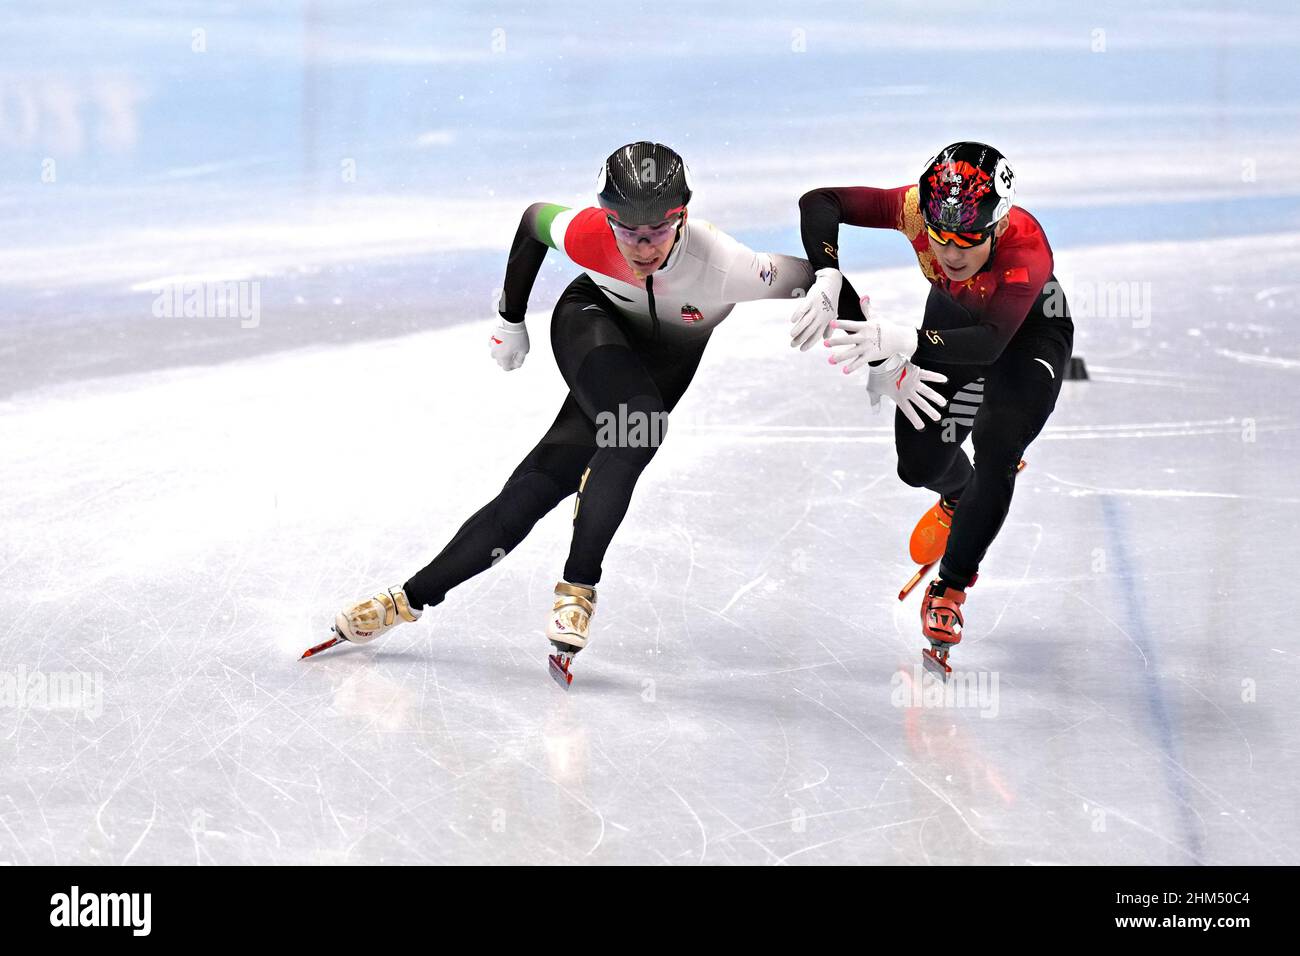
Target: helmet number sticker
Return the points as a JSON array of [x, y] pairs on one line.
[[1004, 177]]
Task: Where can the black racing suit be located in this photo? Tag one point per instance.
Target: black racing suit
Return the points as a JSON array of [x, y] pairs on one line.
[[1003, 338], [627, 346]]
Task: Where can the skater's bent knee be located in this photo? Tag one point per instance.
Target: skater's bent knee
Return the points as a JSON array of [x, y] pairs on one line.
[[997, 458], [610, 376], [635, 429], [921, 474], [552, 471]]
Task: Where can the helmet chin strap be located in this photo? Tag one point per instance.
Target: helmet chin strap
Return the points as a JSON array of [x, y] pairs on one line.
[[993, 250], [677, 237]]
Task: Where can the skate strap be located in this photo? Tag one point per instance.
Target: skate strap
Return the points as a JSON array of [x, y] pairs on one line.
[[588, 595], [385, 600], [947, 596], [395, 603], [403, 605], [574, 601]]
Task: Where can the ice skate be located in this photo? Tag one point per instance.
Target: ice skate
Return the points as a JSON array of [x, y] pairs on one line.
[[928, 541], [567, 627], [930, 538], [941, 623], [366, 620]]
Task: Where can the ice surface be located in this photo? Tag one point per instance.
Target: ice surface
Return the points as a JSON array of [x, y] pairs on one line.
[[183, 535], [186, 503]]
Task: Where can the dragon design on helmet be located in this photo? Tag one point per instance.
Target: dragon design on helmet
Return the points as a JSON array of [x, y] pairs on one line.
[[956, 189]]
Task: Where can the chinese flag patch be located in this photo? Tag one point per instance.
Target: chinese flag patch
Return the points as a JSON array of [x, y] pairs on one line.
[[1018, 274]]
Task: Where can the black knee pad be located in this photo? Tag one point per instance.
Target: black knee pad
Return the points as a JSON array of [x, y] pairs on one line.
[[551, 471], [651, 406], [633, 431], [612, 375], [997, 456]]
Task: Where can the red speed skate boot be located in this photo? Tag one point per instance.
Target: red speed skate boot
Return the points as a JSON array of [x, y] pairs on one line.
[[941, 623]]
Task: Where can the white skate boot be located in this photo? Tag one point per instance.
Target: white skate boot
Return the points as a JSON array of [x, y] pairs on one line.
[[366, 620], [567, 627]]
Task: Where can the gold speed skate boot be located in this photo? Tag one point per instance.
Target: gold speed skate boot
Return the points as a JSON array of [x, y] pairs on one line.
[[366, 620], [567, 627]]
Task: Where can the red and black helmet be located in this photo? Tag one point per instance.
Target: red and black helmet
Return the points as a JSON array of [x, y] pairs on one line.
[[965, 190]]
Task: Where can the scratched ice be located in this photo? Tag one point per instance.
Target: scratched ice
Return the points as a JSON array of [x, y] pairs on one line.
[[186, 503]]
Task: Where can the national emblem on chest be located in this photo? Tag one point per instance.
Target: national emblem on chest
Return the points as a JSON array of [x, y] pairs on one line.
[[981, 286]]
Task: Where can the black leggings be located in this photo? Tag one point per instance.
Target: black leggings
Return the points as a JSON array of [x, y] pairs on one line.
[[615, 376], [1005, 406]]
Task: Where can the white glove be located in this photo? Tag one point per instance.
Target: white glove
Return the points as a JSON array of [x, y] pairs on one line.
[[817, 310], [904, 383], [870, 341], [509, 344]]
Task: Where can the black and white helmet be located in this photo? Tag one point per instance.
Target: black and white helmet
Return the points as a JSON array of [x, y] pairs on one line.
[[643, 183]]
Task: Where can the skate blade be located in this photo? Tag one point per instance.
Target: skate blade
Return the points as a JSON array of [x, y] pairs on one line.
[[935, 663], [560, 670], [322, 646], [914, 580]]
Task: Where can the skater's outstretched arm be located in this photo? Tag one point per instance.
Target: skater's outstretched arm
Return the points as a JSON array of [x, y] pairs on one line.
[[979, 343], [764, 275], [822, 210], [532, 239], [1020, 274], [751, 275], [831, 296], [509, 342]]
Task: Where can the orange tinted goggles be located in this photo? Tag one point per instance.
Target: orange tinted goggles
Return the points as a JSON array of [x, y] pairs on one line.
[[963, 239]]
